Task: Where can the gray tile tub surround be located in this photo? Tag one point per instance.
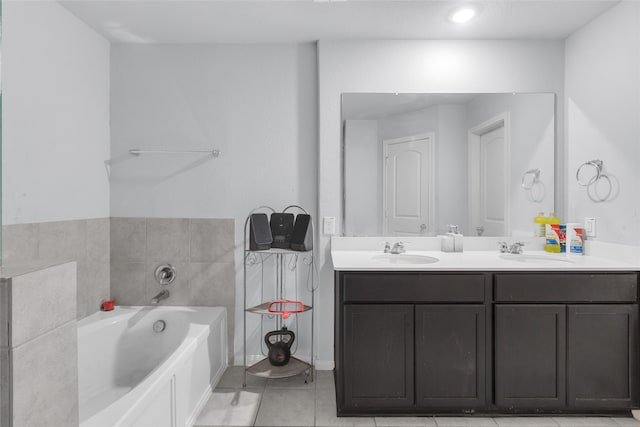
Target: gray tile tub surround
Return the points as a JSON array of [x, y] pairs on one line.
[[39, 378], [45, 379], [202, 250], [5, 385], [39, 302], [85, 241]]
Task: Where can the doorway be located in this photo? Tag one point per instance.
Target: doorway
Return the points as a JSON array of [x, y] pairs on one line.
[[489, 171], [408, 175]]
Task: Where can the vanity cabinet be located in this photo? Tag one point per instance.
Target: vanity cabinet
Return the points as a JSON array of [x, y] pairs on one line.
[[602, 356], [450, 356], [420, 346], [499, 342], [378, 362], [530, 348], [566, 341]]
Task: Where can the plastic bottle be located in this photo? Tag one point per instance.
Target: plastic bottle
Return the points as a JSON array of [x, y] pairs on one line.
[[539, 223], [553, 233], [575, 239]]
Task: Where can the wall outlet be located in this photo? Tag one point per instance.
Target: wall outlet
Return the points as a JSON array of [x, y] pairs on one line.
[[590, 227], [329, 225]]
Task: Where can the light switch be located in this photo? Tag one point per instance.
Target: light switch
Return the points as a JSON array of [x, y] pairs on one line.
[[329, 225], [590, 227]]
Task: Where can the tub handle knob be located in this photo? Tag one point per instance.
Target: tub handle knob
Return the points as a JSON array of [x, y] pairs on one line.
[[165, 274]]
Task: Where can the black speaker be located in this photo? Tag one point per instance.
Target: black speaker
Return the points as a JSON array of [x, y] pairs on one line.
[[259, 232], [301, 238], [281, 229]]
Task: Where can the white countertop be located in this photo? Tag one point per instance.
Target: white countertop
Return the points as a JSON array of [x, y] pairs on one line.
[[353, 254]]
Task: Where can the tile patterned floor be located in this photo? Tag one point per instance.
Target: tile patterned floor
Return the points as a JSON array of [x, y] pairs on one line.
[[291, 402]]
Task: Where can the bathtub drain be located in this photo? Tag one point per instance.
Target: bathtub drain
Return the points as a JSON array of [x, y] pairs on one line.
[[159, 326]]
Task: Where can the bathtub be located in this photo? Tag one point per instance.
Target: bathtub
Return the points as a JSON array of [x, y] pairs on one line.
[[149, 366]]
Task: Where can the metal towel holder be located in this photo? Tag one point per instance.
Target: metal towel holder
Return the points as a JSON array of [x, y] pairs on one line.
[[591, 179], [137, 152], [530, 181]]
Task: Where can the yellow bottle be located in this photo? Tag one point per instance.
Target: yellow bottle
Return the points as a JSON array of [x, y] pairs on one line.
[[539, 223], [552, 234]]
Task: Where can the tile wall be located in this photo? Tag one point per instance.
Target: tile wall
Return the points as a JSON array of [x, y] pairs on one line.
[[201, 250], [38, 359], [116, 257], [85, 241]]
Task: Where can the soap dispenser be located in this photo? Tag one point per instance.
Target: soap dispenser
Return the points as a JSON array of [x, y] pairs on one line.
[[452, 240], [457, 238], [447, 241]]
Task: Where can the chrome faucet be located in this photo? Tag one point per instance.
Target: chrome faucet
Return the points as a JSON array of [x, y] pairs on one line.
[[162, 295], [387, 247], [165, 274], [398, 248], [516, 248]]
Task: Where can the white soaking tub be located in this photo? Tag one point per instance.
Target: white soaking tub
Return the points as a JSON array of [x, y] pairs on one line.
[[149, 366]]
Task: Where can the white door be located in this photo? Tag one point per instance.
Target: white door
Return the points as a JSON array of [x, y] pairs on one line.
[[407, 198], [489, 186], [492, 195]]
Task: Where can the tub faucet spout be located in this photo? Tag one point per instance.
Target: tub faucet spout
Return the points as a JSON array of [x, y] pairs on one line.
[[162, 295]]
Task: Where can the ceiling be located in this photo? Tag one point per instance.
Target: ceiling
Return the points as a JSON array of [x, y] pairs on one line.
[[268, 21]]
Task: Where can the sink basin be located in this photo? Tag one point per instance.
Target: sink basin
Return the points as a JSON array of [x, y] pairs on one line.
[[537, 259], [404, 259]]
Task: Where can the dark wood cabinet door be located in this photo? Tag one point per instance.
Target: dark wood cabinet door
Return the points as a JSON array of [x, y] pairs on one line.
[[378, 355], [530, 345], [450, 356], [602, 353]]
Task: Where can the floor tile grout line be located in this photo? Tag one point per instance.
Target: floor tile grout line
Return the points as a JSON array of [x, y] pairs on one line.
[[315, 400], [262, 391], [255, 417]]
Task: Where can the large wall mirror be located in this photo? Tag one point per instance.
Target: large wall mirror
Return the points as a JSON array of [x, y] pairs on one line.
[[1, 133], [415, 163]]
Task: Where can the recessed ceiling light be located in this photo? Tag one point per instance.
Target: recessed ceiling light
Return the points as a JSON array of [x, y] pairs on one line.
[[462, 14]]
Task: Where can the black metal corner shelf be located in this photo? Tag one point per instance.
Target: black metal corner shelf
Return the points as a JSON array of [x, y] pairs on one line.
[[276, 251], [263, 368], [264, 309]]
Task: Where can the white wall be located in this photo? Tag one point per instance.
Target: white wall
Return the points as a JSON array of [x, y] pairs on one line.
[[452, 179], [55, 115], [410, 67], [363, 149], [255, 103], [603, 119]]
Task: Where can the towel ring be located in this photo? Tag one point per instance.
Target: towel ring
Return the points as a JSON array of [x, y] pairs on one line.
[[530, 178], [593, 194], [596, 165]]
